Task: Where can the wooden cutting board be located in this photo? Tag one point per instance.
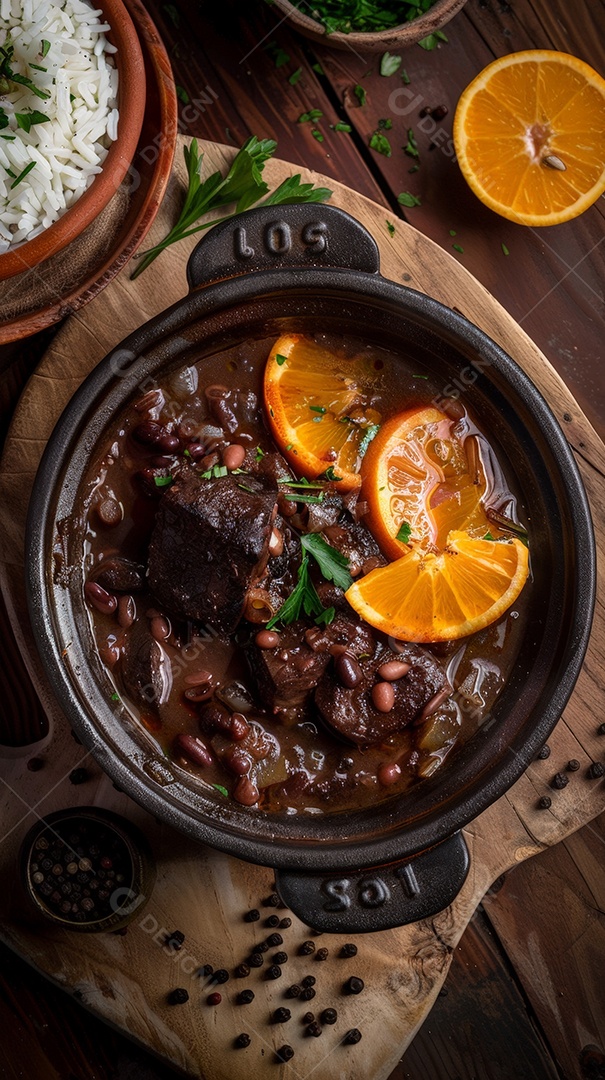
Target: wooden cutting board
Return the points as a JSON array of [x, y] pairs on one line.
[[126, 979]]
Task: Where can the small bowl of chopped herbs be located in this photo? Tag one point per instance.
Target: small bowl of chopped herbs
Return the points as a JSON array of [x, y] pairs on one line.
[[374, 25]]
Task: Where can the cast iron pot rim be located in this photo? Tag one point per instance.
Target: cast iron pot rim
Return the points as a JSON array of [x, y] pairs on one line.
[[484, 789]]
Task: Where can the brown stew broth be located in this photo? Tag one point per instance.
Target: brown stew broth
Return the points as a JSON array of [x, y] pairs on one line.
[[301, 765]]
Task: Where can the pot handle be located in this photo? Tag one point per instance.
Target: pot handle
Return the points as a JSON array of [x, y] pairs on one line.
[[282, 237], [381, 897]]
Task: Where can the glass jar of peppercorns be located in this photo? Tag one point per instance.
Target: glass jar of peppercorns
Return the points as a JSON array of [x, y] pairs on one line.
[[87, 869]]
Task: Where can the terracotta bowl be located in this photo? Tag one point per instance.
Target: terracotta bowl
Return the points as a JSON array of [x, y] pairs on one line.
[[396, 37], [131, 104]]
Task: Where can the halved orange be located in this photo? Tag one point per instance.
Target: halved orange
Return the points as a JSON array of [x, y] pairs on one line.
[[416, 473], [441, 597], [529, 133], [317, 408]]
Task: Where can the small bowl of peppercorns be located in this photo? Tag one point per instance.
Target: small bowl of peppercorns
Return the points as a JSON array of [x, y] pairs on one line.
[[87, 869]]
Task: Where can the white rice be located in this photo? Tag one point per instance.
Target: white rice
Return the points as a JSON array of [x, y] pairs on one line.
[[69, 148]]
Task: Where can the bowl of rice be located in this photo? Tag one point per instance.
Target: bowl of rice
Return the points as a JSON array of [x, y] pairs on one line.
[[72, 100]]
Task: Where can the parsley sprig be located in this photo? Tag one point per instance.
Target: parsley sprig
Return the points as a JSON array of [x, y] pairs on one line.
[[243, 185], [8, 75], [304, 597]]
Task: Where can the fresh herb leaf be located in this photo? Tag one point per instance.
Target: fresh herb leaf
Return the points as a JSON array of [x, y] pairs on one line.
[[115, 697], [222, 790], [505, 250], [295, 76], [404, 533], [182, 94], [292, 191], [390, 227], [488, 536], [414, 168], [22, 175], [4, 121], [259, 453], [380, 144], [299, 497], [318, 408], [25, 120], [45, 47], [457, 247], [385, 125], [420, 376], [162, 481], [317, 68], [341, 127], [334, 566], [432, 40], [302, 598], [411, 147], [312, 114], [216, 471], [326, 617], [389, 64], [280, 56], [317, 135], [37, 67], [360, 94], [279, 359], [405, 198], [329, 474], [299, 483], [370, 433], [453, 232], [7, 75], [405, 77]]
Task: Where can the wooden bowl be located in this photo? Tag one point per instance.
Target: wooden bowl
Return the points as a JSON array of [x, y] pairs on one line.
[[396, 37], [131, 104]]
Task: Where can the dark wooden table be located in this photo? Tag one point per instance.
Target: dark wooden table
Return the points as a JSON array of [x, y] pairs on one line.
[[497, 1018]]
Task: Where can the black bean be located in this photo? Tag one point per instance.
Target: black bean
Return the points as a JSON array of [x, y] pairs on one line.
[[352, 1036], [245, 997], [285, 924], [348, 671], [307, 994], [242, 971], [252, 916], [280, 958], [329, 1016], [348, 950], [281, 1016], [220, 976], [274, 972], [273, 920], [307, 948], [176, 997], [322, 954], [309, 980], [353, 985], [293, 991], [242, 1040], [314, 1029], [285, 1053], [275, 939]]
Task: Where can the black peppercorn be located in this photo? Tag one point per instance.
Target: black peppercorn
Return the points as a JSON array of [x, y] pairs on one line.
[[280, 958], [544, 753], [205, 971], [273, 920], [242, 1040], [545, 802], [285, 1053], [329, 1016], [307, 948], [178, 996], [242, 971], [352, 1036], [601, 729], [256, 960], [308, 1018], [307, 994], [261, 947], [322, 954], [220, 976], [281, 1016], [314, 1029], [596, 771], [348, 950], [175, 939], [353, 985], [573, 765], [284, 924], [274, 940], [78, 776], [35, 764], [274, 972], [559, 781], [309, 980], [440, 112], [272, 901], [293, 991], [245, 997], [252, 916]]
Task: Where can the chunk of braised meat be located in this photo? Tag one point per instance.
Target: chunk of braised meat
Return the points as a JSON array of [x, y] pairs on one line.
[[210, 543], [351, 712], [118, 574], [144, 666], [344, 632], [286, 674], [328, 512], [353, 540]]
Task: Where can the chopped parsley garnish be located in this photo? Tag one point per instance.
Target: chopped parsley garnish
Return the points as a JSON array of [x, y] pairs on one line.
[[317, 408], [25, 120], [404, 533], [279, 359], [360, 94], [299, 497], [295, 76], [411, 147], [389, 64], [316, 133], [334, 566], [259, 453], [457, 247], [22, 175], [505, 250], [115, 697], [341, 127], [216, 471], [390, 227], [162, 481], [453, 232], [385, 125], [37, 67], [405, 198], [488, 536], [405, 77], [280, 56], [45, 47], [312, 114], [222, 790], [303, 598], [8, 76], [420, 376], [299, 483], [326, 617], [317, 68], [432, 40], [329, 474], [182, 94], [380, 144]]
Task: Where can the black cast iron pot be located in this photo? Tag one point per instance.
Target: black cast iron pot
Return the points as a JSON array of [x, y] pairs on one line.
[[316, 267]]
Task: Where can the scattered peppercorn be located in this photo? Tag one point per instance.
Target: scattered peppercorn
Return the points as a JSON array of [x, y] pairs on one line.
[[307, 948], [309, 980], [252, 916], [242, 971], [314, 1029], [329, 1016], [307, 994], [285, 1053], [175, 940], [322, 954], [308, 1018], [545, 802], [348, 950], [35, 764], [559, 781], [272, 901], [284, 924], [601, 729], [261, 947], [352, 1036], [245, 997], [178, 996], [440, 112], [573, 765], [544, 753], [280, 958], [353, 985], [242, 1040], [214, 999], [293, 991], [205, 971], [596, 771], [273, 920], [274, 940], [273, 972], [281, 1016], [78, 776], [256, 960], [220, 976]]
